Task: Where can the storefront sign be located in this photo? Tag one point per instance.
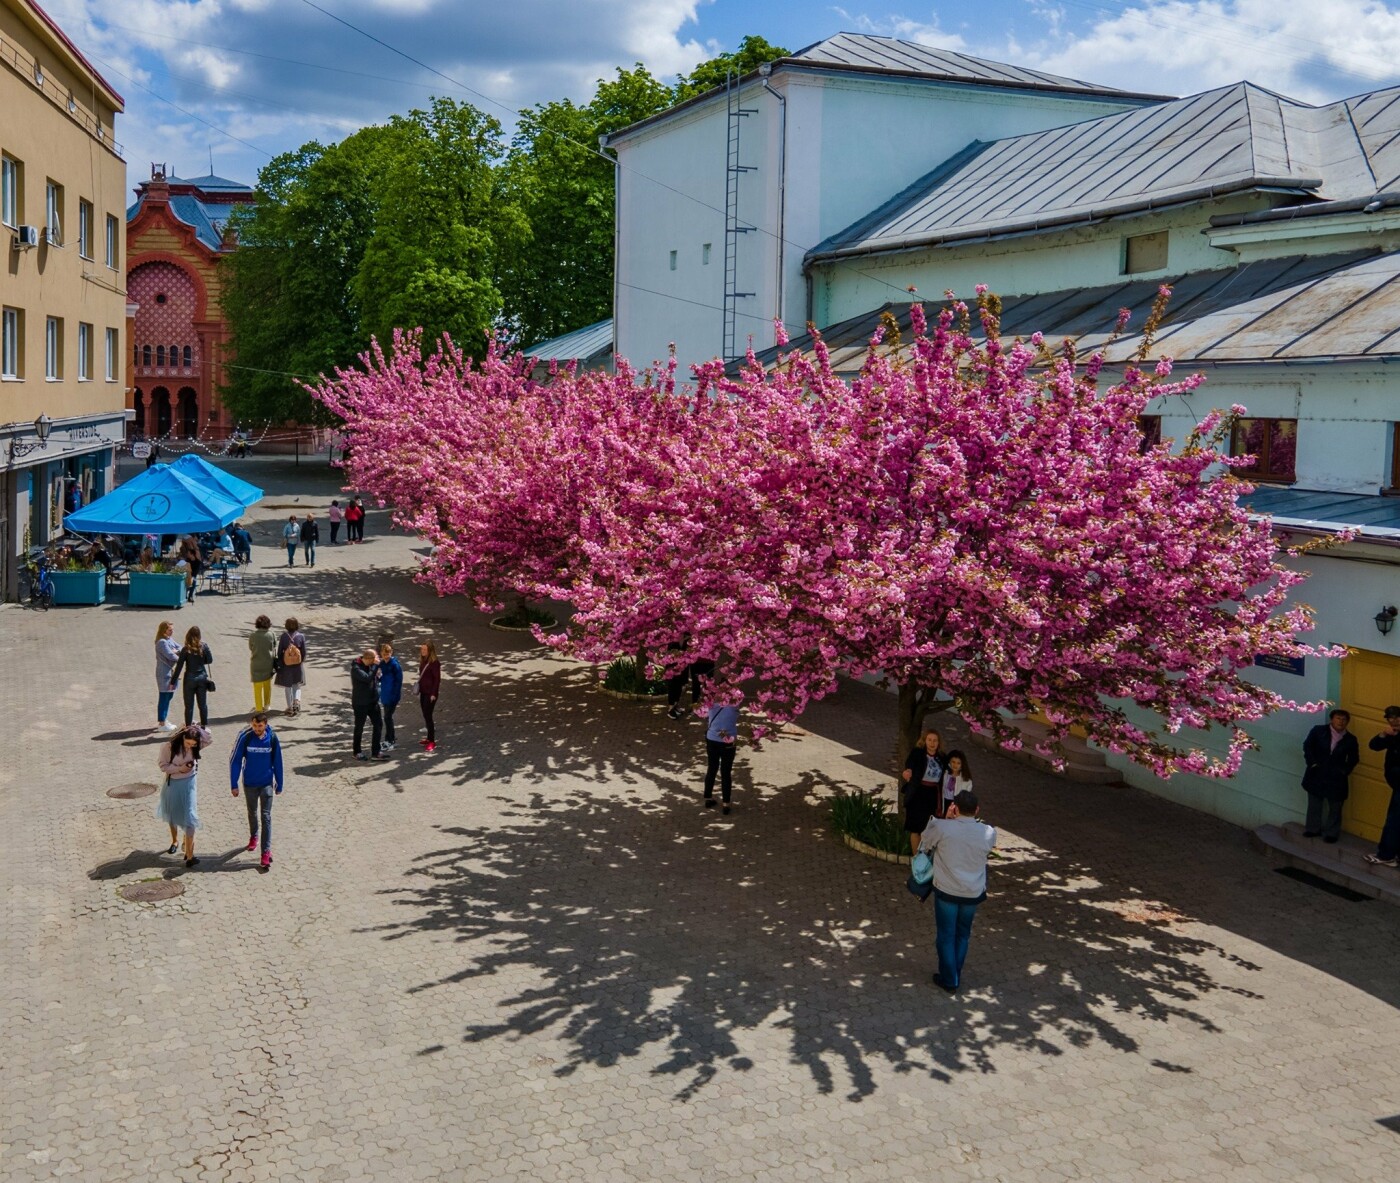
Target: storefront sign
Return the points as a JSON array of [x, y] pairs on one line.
[[1284, 665]]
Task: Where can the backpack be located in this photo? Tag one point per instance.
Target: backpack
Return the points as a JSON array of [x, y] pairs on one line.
[[291, 655]]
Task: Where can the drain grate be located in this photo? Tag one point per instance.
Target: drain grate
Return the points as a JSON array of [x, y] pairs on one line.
[[152, 892], [131, 792], [1312, 880]]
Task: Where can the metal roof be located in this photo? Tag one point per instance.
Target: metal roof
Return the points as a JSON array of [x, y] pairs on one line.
[[206, 210], [1317, 308], [888, 55], [1303, 509], [592, 343], [1226, 140]]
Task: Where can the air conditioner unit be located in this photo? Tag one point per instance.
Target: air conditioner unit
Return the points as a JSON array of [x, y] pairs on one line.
[[27, 236]]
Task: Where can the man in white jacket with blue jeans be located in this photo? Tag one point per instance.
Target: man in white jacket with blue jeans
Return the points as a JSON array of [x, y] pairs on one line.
[[959, 845]]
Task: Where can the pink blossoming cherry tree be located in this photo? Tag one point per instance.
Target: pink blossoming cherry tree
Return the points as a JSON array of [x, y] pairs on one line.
[[976, 520]]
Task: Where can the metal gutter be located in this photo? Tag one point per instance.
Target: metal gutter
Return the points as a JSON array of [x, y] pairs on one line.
[[1319, 209], [764, 71]]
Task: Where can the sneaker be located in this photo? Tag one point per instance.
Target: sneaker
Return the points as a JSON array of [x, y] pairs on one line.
[[673, 713], [430, 747], [1376, 861], [267, 858], [296, 707], [422, 743], [361, 756], [386, 747], [253, 843], [169, 726], [380, 755], [709, 802], [725, 811]]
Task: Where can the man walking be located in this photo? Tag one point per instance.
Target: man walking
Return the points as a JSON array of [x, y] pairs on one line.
[[364, 697], [959, 844], [257, 755], [1388, 741], [1331, 752], [291, 535], [310, 536], [390, 691]]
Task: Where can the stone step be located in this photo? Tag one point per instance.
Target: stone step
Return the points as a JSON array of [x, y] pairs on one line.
[[1284, 846], [1082, 763]]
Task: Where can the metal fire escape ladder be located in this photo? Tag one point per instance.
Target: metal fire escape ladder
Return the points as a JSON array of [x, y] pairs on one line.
[[735, 113]]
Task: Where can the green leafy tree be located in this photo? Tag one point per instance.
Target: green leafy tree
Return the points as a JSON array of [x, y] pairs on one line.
[[753, 51], [559, 275]]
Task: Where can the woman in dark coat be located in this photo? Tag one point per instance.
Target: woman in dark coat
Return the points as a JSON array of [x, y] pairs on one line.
[[922, 789], [291, 668]]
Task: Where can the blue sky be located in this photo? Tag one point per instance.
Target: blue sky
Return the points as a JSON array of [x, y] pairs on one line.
[[245, 79]]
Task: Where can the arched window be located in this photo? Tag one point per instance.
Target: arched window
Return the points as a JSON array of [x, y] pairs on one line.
[[174, 355], [145, 355], [160, 355], [136, 355], [189, 357]]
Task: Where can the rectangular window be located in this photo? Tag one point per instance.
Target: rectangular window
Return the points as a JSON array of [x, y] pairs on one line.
[[1145, 252], [112, 242], [53, 348], [11, 343], [110, 369], [84, 352], [53, 213], [11, 177], [85, 228], [1151, 428], [1272, 442], [673, 260], [705, 254]]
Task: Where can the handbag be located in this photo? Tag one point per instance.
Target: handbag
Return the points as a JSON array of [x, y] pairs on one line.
[[920, 881]]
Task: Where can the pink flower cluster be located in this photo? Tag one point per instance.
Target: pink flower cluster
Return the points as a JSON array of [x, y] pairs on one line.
[[968, 515]]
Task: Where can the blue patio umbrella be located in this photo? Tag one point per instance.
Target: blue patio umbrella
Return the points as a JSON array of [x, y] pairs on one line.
[[161, 500], [202, 472]]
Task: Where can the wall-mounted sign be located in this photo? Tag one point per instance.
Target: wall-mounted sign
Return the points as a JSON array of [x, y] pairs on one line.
[[1284, 665]]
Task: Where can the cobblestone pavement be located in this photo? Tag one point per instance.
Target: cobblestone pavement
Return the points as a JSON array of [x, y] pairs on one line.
[[533, 954]]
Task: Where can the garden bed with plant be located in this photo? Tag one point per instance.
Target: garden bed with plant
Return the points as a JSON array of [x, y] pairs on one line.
[[622, 680], [866, 823], [522, 618]]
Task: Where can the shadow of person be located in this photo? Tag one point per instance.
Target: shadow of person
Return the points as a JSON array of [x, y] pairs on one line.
[[129, 864]]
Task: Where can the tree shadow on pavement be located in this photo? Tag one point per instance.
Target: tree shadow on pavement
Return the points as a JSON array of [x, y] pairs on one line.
[[659, 928]]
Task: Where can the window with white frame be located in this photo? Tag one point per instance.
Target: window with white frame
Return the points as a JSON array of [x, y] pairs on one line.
[[53, 348], [84, 352], [110, 369], [85, 228], [11, 176], [111, 242], [53, 213], [11, 342]]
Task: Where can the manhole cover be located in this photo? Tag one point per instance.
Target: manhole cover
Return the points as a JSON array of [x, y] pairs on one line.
[[149, 893], [131, 792]]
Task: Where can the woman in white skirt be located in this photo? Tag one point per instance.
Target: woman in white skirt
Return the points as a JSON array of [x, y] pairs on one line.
[[178, 804]]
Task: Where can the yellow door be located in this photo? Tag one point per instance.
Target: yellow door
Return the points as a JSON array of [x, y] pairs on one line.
[[1370, 683]]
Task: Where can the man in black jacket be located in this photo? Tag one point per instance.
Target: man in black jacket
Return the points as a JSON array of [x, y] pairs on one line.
[[364, 697], [1388, 741], [310, 536], [1331, 752]]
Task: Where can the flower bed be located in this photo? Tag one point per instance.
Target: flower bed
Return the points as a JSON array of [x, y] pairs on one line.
[[865, 823]]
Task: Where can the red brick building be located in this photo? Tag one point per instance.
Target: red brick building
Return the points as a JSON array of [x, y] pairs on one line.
[[176, 235]]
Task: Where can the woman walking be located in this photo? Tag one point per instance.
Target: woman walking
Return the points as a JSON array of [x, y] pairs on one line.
[[291, 535], [178, 805], [291, 659], [922, 789], [194, 661], [429, 684], [167, 654], [262, 662]]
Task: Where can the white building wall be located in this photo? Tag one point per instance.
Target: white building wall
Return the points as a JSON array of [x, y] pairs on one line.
[[852, 143]]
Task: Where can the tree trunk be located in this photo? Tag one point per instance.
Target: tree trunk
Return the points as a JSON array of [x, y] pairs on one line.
[[915, 705]]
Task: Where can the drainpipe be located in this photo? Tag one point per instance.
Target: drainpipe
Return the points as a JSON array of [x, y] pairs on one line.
[[764, 71]]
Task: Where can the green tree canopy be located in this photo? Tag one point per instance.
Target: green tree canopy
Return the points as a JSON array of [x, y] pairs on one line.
[[753, 51]]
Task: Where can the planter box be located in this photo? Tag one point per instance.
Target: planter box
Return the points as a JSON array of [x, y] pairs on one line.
[[79, 587], [146, 589]]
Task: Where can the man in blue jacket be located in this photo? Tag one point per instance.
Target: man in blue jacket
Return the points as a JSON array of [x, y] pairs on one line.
[[390, 691], [257, 755]]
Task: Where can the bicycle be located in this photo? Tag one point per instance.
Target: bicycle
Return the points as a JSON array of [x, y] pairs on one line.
[[35, 584]]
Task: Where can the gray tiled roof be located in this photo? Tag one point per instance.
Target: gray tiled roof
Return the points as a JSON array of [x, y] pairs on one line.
[[1316, 307], [590, 343], [1238, 137], [1375, 517], [880, 55]]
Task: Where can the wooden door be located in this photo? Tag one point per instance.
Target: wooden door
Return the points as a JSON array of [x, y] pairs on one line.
[[1370, 683]]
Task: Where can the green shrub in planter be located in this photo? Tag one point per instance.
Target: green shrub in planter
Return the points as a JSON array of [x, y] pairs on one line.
[[866, 817], [622, 676]]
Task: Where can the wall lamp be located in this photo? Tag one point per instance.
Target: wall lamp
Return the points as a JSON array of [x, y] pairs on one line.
[[42, 426], [1385, 619]]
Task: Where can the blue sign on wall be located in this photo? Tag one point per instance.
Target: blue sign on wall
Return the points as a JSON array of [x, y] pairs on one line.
[[1284, 665]]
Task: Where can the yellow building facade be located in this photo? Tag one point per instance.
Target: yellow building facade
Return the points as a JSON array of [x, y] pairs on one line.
[[63, 334]]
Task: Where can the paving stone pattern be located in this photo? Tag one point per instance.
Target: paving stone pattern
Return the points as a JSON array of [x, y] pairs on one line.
[[533, 954]]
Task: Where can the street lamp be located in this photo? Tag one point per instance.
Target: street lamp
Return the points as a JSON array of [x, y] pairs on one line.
[[42, 426]]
